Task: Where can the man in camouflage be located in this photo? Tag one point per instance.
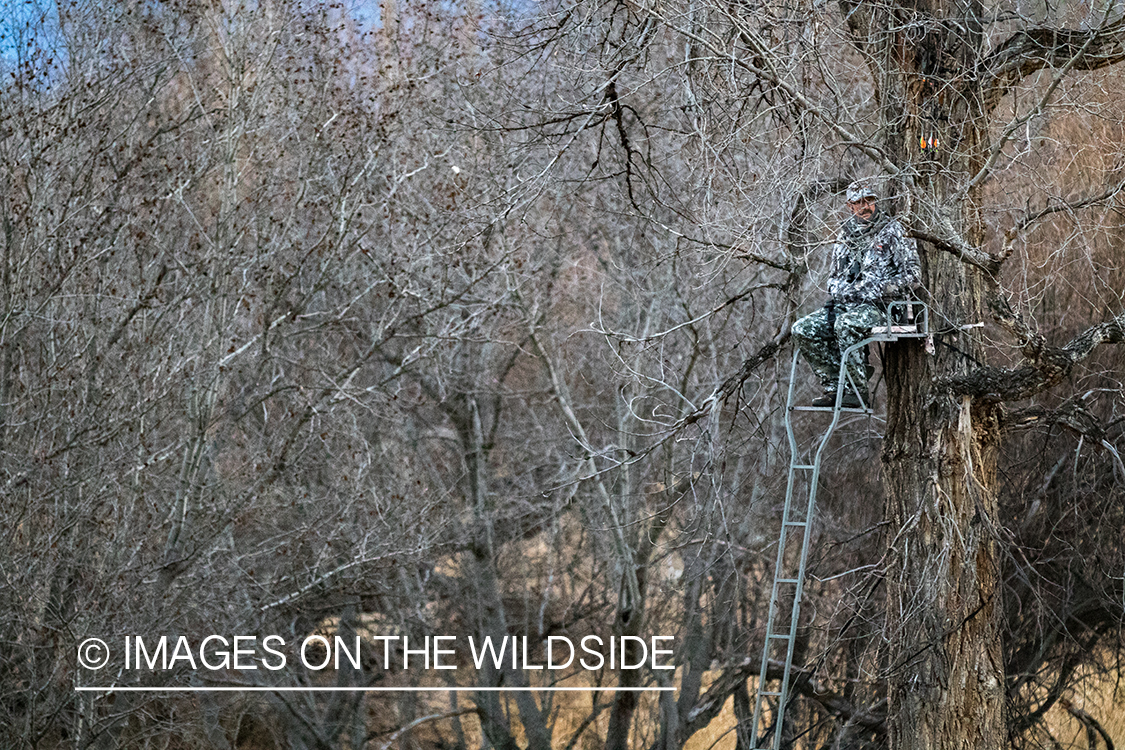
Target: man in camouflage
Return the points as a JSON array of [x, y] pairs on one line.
[[873, 263]]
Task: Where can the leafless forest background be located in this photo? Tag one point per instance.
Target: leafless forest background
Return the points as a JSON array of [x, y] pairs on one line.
[[459, 318]]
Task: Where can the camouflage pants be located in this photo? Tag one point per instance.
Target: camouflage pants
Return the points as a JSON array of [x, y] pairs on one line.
[[822, 346]]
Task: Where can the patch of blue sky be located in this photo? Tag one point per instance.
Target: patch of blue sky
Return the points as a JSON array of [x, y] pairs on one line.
[[368, 14], [31, 37], [31, 46]]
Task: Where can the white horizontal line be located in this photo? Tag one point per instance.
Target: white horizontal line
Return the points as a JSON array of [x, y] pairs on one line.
[[262, 689]]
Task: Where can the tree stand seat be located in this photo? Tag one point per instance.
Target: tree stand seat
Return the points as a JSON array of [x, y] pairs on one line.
[[909, 318]]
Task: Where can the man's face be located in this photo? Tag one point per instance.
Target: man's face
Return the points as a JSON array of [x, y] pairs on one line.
[[864, 208]]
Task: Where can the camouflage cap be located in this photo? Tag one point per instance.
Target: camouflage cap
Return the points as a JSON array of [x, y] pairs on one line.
[[861, 189]]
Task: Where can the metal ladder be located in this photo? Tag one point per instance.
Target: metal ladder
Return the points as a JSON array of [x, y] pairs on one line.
[[904, 319]]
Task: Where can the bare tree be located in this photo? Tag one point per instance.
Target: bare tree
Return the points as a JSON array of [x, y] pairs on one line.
[[950, 86], [466, 318]]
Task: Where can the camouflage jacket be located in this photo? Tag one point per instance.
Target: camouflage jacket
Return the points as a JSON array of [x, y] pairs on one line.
[[873, 261]]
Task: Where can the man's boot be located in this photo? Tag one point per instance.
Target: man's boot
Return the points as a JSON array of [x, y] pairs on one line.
[[828, 399], [850, 401]]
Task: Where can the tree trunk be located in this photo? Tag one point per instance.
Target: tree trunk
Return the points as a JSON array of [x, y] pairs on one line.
[[946, 680]]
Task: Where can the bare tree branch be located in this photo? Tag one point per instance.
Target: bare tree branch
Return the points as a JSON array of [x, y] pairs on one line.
[[1031, 50], [1092, 725], [803, 682], [1048, 366], [734, 382]]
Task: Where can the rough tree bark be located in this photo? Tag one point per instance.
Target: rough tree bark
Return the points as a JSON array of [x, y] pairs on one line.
[[946, 682], [937, 87]]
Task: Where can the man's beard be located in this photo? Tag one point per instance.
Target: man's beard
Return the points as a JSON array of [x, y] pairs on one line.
[[863, 228]]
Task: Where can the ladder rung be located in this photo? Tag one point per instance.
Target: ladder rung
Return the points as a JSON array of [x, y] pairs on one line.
[[780, 636], [796, 523], [786, 580], [769, 692], [803, 466]]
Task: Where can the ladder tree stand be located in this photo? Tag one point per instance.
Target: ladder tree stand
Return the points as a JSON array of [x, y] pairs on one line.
[[905, 319]]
